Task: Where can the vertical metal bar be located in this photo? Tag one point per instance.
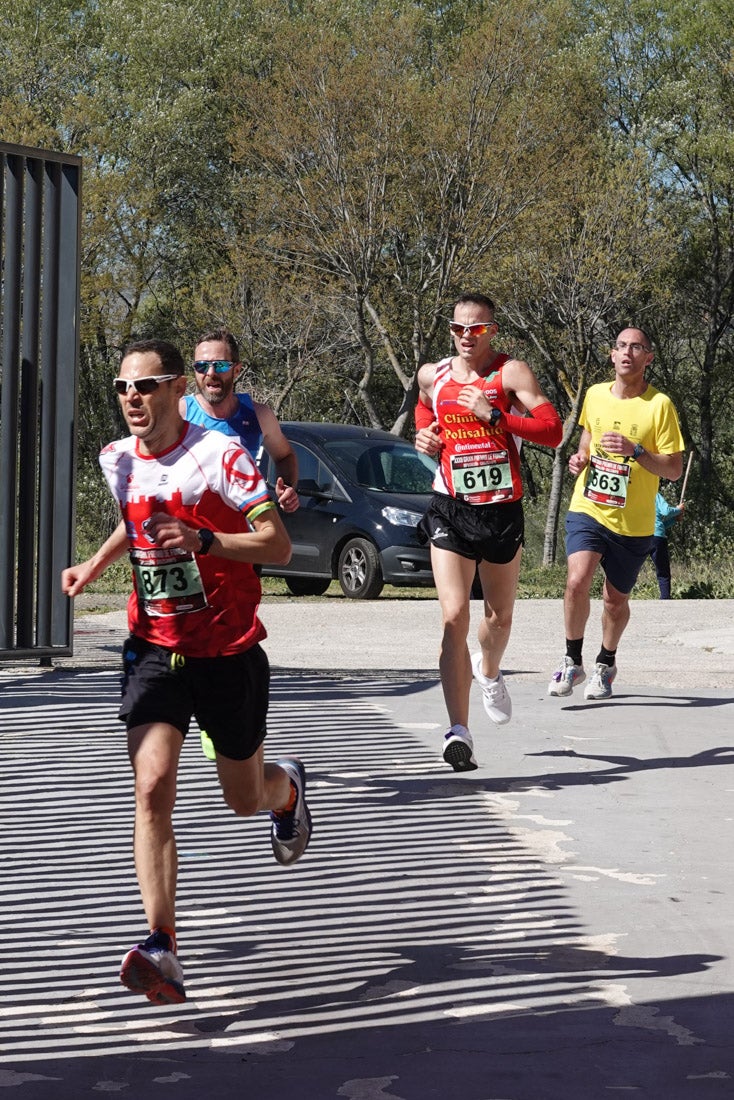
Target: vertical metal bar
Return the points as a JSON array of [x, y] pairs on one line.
[[14, 168], [28, 439], [67, 367], [4, 572], [2, 222], [47, 580], [40, 250]]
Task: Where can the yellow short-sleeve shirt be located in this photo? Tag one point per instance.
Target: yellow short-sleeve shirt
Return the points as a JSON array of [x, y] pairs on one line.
[[614, 489]]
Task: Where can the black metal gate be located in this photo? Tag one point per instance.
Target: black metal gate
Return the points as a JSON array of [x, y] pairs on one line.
[[40, 235]]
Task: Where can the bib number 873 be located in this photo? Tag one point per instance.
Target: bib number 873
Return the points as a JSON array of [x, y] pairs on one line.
[[158, 582]]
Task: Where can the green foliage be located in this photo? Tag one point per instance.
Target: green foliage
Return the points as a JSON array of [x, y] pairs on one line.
[[324, 176]]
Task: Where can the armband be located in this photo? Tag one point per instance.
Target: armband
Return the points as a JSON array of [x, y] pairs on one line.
[[424, 415], [543, 425]]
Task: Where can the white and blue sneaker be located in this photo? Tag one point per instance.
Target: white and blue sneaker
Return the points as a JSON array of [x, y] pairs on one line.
[[291, 829], [566, 677], [600, 684], [153, 969], [458, 749]]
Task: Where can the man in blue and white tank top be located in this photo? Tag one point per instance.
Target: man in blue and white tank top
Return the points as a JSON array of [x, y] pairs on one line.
[[217, 407]]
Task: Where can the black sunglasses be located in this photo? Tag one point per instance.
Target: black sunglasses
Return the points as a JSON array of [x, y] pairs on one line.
[[142, 385]]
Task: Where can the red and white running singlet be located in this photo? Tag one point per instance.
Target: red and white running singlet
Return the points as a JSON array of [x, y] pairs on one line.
[[479, 464], [197, 605]]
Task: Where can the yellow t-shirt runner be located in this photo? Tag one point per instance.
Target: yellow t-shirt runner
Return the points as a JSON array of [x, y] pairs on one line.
[[614, 489]]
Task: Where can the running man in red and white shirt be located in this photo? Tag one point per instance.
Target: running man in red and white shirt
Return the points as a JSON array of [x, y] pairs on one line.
[[197, 516], [468, 416]]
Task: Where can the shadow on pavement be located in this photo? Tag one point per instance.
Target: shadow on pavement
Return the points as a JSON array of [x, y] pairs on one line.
[[422, 949]]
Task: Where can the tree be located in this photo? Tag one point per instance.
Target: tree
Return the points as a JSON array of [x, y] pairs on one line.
[[670, 94], [45, 66], [382, 176], [587, 260]]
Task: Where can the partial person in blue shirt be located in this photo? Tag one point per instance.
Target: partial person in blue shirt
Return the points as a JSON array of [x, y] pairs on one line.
[[216, 406], [665, 516]]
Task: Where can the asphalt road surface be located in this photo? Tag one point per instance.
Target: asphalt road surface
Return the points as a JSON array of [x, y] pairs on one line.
[[557, 925]]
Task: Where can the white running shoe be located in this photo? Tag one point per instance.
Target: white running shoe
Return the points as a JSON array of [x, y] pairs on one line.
[[495, 696], [600, 684], [152, 968], [458, 749], [566, 677]]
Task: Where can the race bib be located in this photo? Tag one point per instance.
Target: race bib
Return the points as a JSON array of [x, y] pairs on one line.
[[168, 582], [483, 472], [607, 482]]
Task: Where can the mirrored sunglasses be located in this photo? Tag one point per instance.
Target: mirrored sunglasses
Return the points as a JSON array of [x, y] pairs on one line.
[[142, 386], [470, 330], [201, 366]]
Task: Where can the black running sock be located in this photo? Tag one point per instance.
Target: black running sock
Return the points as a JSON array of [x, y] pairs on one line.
[[573, 649], [170, 932], [606, 656]]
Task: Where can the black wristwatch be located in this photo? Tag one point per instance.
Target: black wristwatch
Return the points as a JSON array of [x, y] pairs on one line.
[[639, 450], [206, 538], [494, 417]]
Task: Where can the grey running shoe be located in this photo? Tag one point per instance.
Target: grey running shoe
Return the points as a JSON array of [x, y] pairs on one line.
[[291, 829], [458, 749], [495, 696], [600, 684], [153, 969], [566, 677]]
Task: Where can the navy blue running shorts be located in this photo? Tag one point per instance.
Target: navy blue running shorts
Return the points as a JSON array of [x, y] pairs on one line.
[[228, 696], [482, 532], [622, 556]]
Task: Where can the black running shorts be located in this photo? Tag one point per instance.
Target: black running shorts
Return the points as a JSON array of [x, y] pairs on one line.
[[482, 532], [228, 696]]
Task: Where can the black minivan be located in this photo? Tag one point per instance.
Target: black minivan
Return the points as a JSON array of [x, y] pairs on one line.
[[361, 494]]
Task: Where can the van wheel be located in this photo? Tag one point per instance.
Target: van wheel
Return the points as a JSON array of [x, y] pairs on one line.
[[307, 586], [360, 574]]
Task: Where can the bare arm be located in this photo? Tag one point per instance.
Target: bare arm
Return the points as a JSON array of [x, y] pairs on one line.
[[282, 454], [667, 466], [518, 378], [580, 460], [268, 543], [541, 424], [75, 578]]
